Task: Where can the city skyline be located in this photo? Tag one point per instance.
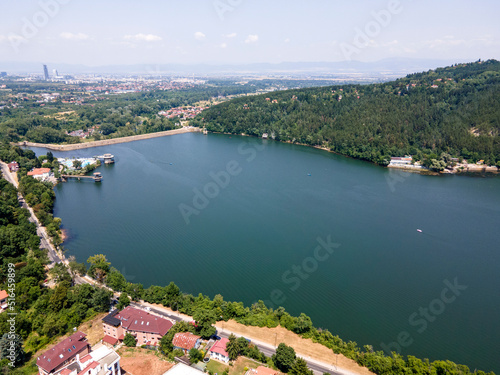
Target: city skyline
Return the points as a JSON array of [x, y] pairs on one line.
[[238, 32]]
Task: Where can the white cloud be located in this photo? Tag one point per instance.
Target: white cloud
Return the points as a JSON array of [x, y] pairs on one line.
[[71, 36], [252, 38], [232, 35], [143, 37], [223, 45], [199, 35], [287, 40], [2, 38]]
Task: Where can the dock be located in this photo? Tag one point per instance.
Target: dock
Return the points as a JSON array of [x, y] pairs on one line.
[[97, 177], [107, 158]]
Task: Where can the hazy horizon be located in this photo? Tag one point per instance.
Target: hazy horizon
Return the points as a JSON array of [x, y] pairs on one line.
[[239, 32]]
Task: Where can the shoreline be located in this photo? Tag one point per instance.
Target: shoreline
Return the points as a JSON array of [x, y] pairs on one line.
[[467, 168], [107, 142]]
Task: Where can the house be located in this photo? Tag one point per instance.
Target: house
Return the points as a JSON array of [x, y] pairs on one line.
[[100, 361], [13, 166], [3, 300], [218, 350], [261, 370], [265, 135], [64, 353], [401, 161], [186, 341], [182, 369], [40, 173], [148, 329]]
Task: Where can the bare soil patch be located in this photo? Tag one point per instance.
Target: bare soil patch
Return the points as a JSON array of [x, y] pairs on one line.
[[303, 347], [137, 361]]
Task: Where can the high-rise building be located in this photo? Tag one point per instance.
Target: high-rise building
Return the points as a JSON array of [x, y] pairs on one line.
[[45, 73], [54, 72]]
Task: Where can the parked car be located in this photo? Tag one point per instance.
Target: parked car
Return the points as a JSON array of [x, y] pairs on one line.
[[215, 337]]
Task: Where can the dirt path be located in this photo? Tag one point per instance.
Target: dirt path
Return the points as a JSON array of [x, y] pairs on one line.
[[303, 347], [107, 142]]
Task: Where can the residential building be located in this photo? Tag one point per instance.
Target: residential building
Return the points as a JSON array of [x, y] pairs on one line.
[[64, 353], [13, 166], [100, 361], [401, 161], [218, 350], [186, 341], [3, 300], [148, 329], [40, 173]]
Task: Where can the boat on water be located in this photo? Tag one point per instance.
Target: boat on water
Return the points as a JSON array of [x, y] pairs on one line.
[[419, 230]]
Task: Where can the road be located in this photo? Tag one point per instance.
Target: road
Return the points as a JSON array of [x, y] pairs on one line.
[[319, 368], [40, 229]]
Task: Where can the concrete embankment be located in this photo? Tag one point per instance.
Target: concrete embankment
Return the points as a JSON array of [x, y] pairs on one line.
[[107, 142]]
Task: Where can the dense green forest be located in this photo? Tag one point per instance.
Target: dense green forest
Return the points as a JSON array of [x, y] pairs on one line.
[[25, 115], [453, 110]]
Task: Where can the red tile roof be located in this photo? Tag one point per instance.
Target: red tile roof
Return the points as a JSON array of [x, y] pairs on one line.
[[220, 347], [109, 340], [86, 358], [3, 294], [66, 371], [65, 350], [38, 171], [185, 340], [140, 321]]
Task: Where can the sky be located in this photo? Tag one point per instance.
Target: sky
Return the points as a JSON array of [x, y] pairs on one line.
[[109, 32]]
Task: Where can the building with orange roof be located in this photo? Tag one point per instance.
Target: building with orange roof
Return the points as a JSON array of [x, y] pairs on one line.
[[186, 341]]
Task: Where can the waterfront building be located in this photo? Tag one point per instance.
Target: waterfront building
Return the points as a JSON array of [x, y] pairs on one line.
[[148, 329]]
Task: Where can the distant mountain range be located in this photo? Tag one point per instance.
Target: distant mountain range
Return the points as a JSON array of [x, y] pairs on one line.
[[392, 65]]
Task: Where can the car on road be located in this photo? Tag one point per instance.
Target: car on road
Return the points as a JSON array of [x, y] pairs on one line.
[[214, 337]]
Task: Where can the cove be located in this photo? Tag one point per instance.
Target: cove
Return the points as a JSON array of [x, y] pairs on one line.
[[315, 232]]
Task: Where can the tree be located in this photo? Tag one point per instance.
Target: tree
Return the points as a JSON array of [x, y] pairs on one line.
[[123, 301], [115, 280], [232, 347], [284, 358], [300, 368], [77, 268], [99, 267], [101, 300], [60, 273], [195, 355], [204, 320], [77, 164], [11, 348], [129, 340]]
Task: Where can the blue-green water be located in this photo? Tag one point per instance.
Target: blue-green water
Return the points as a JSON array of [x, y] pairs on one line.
[[281, 201]]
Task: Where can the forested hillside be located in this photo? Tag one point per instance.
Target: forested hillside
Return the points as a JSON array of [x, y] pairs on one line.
[[453, 110]]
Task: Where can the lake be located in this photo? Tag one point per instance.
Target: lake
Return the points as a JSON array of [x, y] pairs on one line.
[[315, 232]]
